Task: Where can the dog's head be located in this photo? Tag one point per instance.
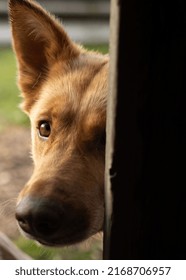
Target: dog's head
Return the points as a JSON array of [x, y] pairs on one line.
[[64, 89]]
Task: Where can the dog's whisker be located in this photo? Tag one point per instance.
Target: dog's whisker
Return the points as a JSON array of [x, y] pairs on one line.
[[8, 202], [42, 250], [7, 207]]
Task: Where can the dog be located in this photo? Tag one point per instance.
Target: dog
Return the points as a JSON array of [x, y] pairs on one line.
[[64, 89]]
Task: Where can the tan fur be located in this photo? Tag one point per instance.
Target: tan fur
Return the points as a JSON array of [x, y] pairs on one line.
[[67, 86]]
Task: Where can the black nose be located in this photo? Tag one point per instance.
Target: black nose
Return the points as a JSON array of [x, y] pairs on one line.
[[39, 216]]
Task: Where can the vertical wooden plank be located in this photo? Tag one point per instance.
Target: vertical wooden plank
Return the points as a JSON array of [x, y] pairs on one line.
[[148, 164], [110, 126]]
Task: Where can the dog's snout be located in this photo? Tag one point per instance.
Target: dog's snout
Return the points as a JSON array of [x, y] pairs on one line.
[[38, 217]]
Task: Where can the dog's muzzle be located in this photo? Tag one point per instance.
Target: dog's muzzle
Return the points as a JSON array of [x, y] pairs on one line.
[[49, 222]]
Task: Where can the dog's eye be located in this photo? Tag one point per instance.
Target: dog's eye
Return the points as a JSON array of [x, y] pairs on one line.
[[44, 129]]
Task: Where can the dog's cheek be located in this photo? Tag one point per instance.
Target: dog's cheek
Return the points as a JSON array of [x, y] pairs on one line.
[[36, 146]]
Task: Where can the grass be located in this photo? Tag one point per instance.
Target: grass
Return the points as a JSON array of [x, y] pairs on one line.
[[75, 252], [100, 48], [9, 93]]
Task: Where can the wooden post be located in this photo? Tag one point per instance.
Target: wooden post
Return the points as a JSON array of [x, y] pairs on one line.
[[8, 251], [110, 129], [145, 168]]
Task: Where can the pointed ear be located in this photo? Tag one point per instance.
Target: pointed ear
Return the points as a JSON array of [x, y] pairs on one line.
[[38, 40]]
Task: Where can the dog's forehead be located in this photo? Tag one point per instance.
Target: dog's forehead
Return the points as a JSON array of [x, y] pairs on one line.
[[80, 87]]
